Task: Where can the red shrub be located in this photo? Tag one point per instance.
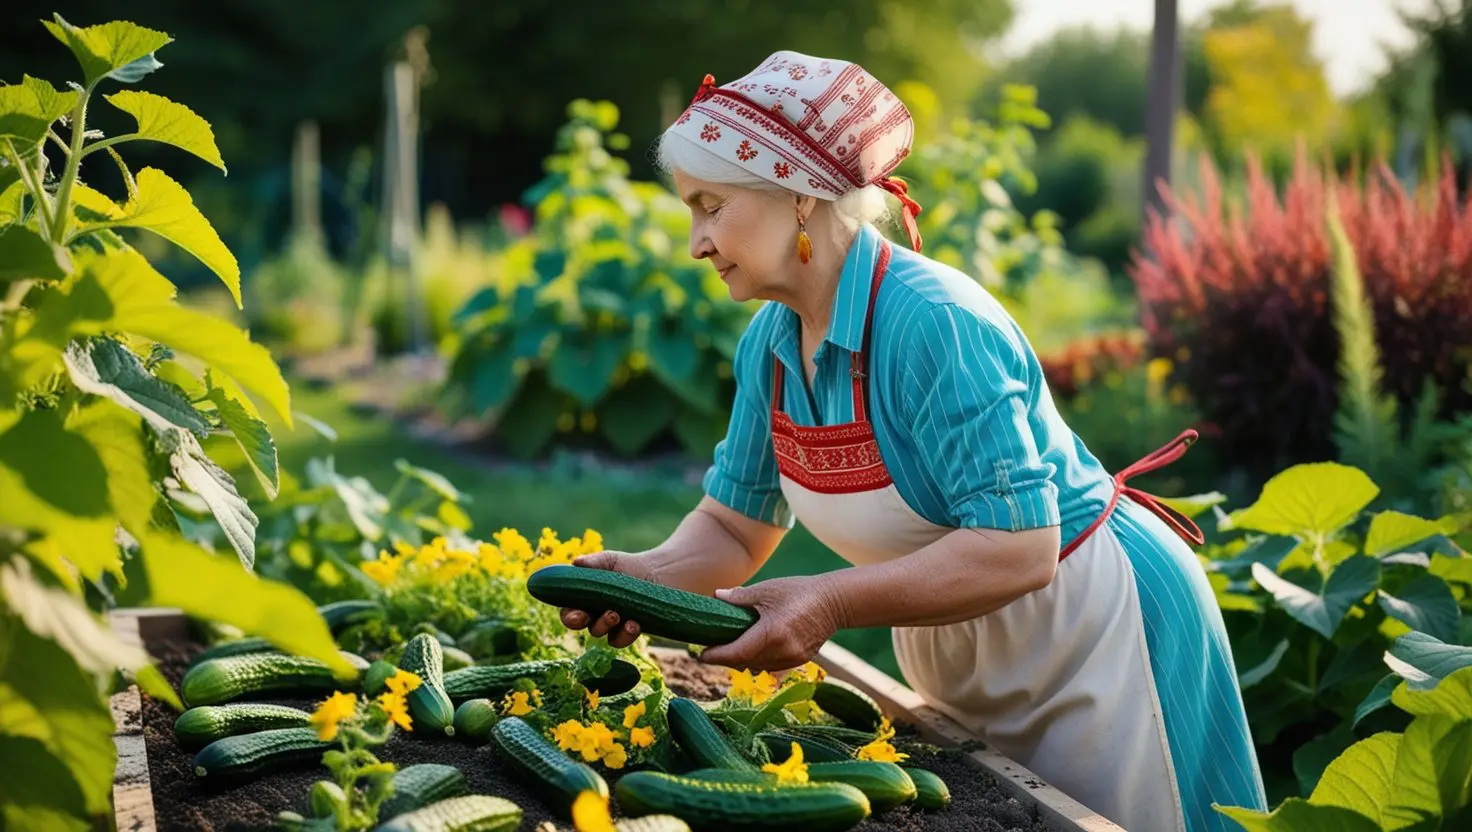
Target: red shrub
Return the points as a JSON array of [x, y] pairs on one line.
[[1086, 360], [1242, 303]]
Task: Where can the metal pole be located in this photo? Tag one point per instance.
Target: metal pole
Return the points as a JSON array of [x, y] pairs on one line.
[[1163, 101]]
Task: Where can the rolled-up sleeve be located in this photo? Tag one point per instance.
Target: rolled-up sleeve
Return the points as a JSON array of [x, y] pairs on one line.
[[743, 476], [965, 396]]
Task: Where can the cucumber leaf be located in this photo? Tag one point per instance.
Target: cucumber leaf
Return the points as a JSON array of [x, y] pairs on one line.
[[1323, 611], [119, 50], [38, 793], [1310, 500], [162, 120]]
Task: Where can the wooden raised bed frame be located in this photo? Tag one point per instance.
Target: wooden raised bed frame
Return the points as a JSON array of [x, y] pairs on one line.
[[133, 794]]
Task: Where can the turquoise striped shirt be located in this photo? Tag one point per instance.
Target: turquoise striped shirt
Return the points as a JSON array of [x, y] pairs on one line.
[[961, 411]]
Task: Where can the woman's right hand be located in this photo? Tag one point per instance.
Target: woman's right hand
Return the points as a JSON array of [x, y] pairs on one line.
[[606, 622]]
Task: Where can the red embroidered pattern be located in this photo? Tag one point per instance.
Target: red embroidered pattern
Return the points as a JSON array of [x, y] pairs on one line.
[[745, 152], [767, 139], [710, 132], [782, 170], [837, 459]]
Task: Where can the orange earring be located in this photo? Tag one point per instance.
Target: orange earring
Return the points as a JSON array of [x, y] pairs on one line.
[[804, 245]]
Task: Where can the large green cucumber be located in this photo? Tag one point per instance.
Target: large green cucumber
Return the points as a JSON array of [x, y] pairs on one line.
[[814, 749], [420, 785], [834, 733], [235, 647], [559, 778], [340, 615], [622, 677], [468, 813], [848, 704], [660, 610], [232, 677], [429, 705], [247, 755], [202, 725], [930, 791], [811, 807], [494, 681], [475, 718], [705, 742], [885, 784]]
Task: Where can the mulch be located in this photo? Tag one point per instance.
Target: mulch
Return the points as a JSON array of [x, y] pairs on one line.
[[182, 802]]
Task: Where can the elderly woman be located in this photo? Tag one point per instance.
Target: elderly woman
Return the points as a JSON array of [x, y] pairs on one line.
[[891, 405]]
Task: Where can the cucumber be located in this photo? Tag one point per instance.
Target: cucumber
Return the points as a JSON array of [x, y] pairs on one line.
[[835, 733], [455, 658], [429, 705], [375, 680], [493, 681], [202, 725], [814, 749], [559, 778], [420, 785], [931, 792], [811, 807], [660, 610], [235, 647], [340, 615], [246, 755], [475, 718], [885, 784], [232, 677], [848, 704], [621, 678], [651, 823], [468, 813], [705, 742]]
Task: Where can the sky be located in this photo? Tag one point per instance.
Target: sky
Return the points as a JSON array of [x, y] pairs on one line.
[[1348, 34]]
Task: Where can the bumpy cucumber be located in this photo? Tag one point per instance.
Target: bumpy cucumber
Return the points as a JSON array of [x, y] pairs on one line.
[[202, 725], [235, 647], [468, 813], [814, 749], [493, 681], [340, 615], [931, 792], [247, 755], [660, 610], [420, 785], [475, 718], [885, 784], [221, 680], [559, 778], [620, 678], [702, 739], [848, 704], [429, 705], [811, 807]]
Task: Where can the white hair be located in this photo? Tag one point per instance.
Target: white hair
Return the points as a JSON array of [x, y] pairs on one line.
[[676, 152]]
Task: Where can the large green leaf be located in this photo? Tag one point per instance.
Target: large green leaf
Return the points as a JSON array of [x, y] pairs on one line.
[[495, 378], [1451, 696], [1433, 771], [1308, 500], [1425, 604], [1195, 505], [38, 792], [1377, 698], [85, 542], [23, 119], [365, 507], [46, 696], [1458, 570], [433, 480], [119, 50], [214, 485], [529, 424], [1392, 531], [1324, 610], [11, 194], [162, 206], [52, 102], [116, 434], [56, 466], [25, 254], [104, 367], [58, 615], [1423, 660], [180, 574], [699, 432], [584, 363], [1313, 757], [162, 120], [1360, 778], [673, 355], [253, 437], [635, 414], [1297, 815]]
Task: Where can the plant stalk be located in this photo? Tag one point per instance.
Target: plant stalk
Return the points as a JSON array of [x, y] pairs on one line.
[[1313, 666], [28, 177], [73, 162], [106, 143]]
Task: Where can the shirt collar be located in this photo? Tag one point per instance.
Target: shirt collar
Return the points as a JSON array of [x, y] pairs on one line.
[[851, 300]]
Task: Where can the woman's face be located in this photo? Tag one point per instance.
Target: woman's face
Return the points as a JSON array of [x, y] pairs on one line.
[[750, 236]]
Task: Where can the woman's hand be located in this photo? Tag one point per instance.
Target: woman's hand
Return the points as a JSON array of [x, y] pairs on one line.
[[797, 615], [606, 622]]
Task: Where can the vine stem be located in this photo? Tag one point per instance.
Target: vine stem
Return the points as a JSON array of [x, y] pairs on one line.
[[73, 162], [28, 177], [106, 143]]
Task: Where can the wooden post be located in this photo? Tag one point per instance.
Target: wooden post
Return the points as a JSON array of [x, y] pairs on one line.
[[401, 189], [1163, 101], [306, 184]]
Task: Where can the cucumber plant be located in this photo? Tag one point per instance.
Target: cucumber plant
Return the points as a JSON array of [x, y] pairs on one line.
[[114, 399]]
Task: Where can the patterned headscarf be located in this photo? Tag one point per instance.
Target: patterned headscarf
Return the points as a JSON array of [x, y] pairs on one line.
[[815, 126]]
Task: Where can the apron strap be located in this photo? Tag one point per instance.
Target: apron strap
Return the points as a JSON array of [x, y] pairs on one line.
[[1154, 461], [859, 365]]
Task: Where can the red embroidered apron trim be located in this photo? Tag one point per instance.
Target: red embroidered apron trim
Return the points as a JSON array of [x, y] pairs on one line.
[[1179, 523], [834, 459]]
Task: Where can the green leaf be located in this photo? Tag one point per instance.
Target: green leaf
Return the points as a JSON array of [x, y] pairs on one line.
[[1425, 604], [38, 793], [1433, 771], [772, 708], [495, 379], [104, 367], [434, 481], [10, 197], [1227, 599], [85, 542], [1323, 611], [366, 508], [1264, 668], [162, 120], [162, 206], [152, 682], [116, 434], [1451, 696], [1458, 570], [1360, 778], [1313, 757], [1308, 500], [46, 696], [214, 485], [119, 50], [635, 414], [55, 465], [1377, 698], [1392, 531], [530, 423], [1195, 505], [22, 122], [673, 355], [52, 103], [584, 363], [1423, 660], [26, 254], [180, 574], [1297, 815], [253, 437]]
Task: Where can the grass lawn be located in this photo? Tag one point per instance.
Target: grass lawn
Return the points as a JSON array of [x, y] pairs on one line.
[[632, 510]]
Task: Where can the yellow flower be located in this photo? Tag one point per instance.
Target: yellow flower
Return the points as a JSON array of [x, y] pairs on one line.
[[810, 672], [1158, 370], [334, 709], [513, 545], [489, 557], [396, 708], [641, 737], [403, 549], [590, 813], [615, 757], [516, 704], [806, 711], [384, 570], [548, 541], [402, 682], [756, 690], [592, 542], [880, 750], [592, 700], [569, 735], [632, 714], [792, 771]]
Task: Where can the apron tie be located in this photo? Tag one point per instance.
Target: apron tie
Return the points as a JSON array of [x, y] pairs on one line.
[[1154, 461]]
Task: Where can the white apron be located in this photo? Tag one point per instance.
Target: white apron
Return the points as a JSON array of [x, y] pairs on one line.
[[1058, 680]]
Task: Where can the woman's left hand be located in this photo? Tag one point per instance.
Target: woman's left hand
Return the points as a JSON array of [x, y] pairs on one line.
[[796, 616]]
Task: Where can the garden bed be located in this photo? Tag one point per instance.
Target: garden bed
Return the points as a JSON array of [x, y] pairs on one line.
[[156, 788]]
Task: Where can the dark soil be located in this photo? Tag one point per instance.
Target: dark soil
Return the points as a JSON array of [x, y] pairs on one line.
[[182, 802]]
